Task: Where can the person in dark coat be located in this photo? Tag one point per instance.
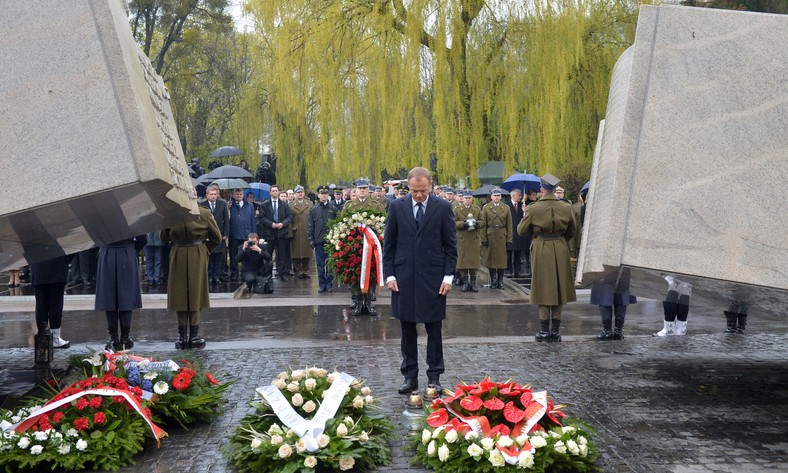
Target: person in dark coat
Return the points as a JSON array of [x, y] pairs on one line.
[[187, 288], [221, 214], [515, 254], [275, 219], [242, 222], [612, 296], [49, 280], [255, 261], [419, 260], [317, 229], [265, 174], [337, 201], [118, 290]]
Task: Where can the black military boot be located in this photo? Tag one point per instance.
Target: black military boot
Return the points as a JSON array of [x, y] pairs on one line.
[[183, 338], [112, 343], [544, 331], [373, 293], [358, 307], [493, 278], [194, 337], [473, 284], [607, 332], [355, 302], [741, 322], [466, 286], [126, 342], [370, 309], [555, 335], [618, 331], [730, 322]]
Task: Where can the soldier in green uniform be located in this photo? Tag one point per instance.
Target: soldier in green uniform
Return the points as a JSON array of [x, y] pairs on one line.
[[467, 217], [552, 225], [496, 237], [300, 250]]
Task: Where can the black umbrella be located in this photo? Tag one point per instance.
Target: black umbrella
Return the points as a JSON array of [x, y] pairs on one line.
[[228, 172], [485, 190], [226, 151]]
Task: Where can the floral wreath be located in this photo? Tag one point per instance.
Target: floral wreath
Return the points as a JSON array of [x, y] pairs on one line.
[[353, 246], [310, 419], [489, 426]]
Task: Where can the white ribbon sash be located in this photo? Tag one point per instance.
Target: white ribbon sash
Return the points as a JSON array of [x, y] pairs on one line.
[[309, 430]]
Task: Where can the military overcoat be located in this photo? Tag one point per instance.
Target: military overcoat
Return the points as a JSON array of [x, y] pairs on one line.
[[299, 247], [497, 233], [468, 241]]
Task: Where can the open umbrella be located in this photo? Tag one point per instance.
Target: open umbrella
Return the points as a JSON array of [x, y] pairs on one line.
[[229, 172], [226, 151], [522, 181], [231, 183], [485, 190], [585, 187], [262, 191]]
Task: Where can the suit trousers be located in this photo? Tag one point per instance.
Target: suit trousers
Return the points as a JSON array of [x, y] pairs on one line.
[[234, 245], [279, 245], [49, 305], [410, 351], [216, 263], [325, 278]]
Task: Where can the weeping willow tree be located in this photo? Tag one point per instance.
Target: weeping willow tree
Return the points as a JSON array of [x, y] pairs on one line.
[[355, 87]]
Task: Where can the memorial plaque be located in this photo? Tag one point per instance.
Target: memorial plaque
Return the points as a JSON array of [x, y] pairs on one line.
[[87, 139], [690, 171]]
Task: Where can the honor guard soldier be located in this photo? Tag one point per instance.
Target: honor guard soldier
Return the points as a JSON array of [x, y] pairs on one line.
[[300, 250], [496, 237], [552, 225], [467, 217]]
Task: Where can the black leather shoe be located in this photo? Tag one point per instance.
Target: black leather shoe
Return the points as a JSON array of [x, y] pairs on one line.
[[410, 385]]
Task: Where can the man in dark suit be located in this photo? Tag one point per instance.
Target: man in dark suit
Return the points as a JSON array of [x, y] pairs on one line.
[[221, 214], [514, 255], [419, 260], [275, 218]]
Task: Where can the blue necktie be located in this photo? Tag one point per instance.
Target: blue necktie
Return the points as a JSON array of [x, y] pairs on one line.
[[276, 212], [419, 214]]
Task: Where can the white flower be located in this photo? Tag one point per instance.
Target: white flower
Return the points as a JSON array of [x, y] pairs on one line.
[[320, 373], [280, 384], [541, 433], [64, 449], [283, 375], [471, 435], [300, 445], [24, 442], [451, 436], [58, 435], [437, 432], [310, 461], [275, 429], [488, 443], [310, 384], [571, 445], [41, 436], [36, 449], [583, 450], [369, 399], [161, 388], [356, 384], [431, 449], [555, 434], [358, 402], [151, 375], [443, 453], [505, 441], [297, 375], [521, 439], [348, 421], [525, 460], [297, 400], [16, 419], [284, 451], [365, 391], [496, 459], [332, 377], [538, 441], [364, 437], [568, 430], [582, 440], [322, 440], [292, 387], [341, 430], [95, 360], [82, 445], [346, 463], [309, 406], [72, 433], [276, 439], [256, 442], [426, 436], [475, 450], [559, 447]]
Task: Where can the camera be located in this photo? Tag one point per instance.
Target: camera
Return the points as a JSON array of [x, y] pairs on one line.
[[250, 243]]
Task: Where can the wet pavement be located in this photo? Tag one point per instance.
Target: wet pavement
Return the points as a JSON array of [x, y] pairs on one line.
[[705, 402]]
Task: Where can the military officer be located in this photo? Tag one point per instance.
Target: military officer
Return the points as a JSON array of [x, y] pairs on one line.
[[300, 250], [337, 202], [496, 237], [552, 225], [467, 217]]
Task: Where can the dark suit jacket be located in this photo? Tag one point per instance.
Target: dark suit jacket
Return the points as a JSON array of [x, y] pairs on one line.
[[267, 218], [419, 259], [222, 217], [518, 242]]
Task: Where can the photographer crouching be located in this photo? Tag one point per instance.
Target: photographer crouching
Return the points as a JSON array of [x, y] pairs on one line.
[[256, 264]]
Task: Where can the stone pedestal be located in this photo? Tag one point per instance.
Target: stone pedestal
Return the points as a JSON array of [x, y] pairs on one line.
[[87, 140], [691, 166]]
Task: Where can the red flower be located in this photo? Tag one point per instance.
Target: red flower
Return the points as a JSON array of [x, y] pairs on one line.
[[494, 404], [44, 422], [99, 418], [118, 399], [81, 424], [95, 403], [471, 403], [181, 382], [438, 418], [356, 245], [513, 414], [211, 379], [82, 403], [526, 398], [52, 382], [502, 429], [57, 417], [358, 238], [136, 390]]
